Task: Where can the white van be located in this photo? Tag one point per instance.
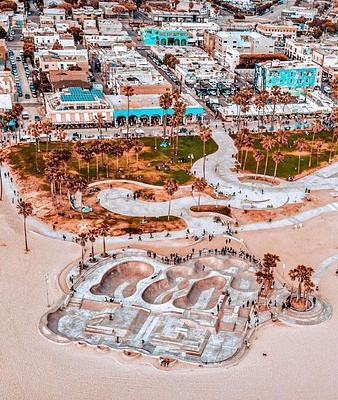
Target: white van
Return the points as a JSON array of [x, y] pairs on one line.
[[25, 114]]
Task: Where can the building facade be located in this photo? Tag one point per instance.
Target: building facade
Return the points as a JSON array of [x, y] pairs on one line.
[[290, 75], [164, 37]]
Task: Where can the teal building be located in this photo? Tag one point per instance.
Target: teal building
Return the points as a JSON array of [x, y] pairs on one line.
[[164, 37], [293, 76]]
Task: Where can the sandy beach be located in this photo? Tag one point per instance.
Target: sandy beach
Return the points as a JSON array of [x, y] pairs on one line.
[[301, 363]]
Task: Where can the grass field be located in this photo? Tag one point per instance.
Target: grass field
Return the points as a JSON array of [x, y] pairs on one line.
[[22, 158], [289, 166]]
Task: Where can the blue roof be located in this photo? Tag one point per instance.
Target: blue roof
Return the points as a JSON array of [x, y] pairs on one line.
[[79, 94]]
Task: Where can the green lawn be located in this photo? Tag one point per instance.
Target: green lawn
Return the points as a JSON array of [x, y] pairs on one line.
[[22, 158], [289, 166]]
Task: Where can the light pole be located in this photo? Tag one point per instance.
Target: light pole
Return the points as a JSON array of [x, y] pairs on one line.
[[47, 290]]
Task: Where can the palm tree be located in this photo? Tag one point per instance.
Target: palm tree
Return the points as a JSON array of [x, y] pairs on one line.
[[205, 133], [47, 130], [170, 188], [318, 146], [248, 143], [92, 234], [25, 209], [79, 150], [242, 100], [200, 185], [301, 145], [275, 97], [82, 239], [87, 156], [258, 156], [265, 275], [303, 275], [317, 126], [179, 111], [126, 146], [60, 135], [103, 231], [281, 138], [34, 130], [267, 144], [166, 101], [260, 102], [138, 146], [278, 157], [128, 91], [2, 159], [99, 119]]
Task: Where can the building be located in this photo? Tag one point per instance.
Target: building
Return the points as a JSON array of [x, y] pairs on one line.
[[164, 36], [292, 75], [278, 32], [243, 42], [299, 12], [196, 31], [145, 110], [159, 16], [61, 79], [78, 107], [49, 60], [58, 14]]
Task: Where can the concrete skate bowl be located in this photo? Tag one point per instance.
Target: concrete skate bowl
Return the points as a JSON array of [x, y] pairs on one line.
[[177, 275], [159, 292], [226, 265], [245, 282], [121, 280], [203, 294]]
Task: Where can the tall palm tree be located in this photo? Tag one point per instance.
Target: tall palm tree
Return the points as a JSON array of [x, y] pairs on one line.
[[166, 101], [318, 145], [47, 130], [200, 185], [138, 146], [60, 135], [129, 92], [82, 239], [205, 133], [301, 145], [179, 112], [103, 231], [79, 150], [87, 156], [265, 275], [258, 156], [242, 100], [25, 209], [281, 138], [302, 274], [248, 143], [317, 126], [92, 235], [100, 122], [35, 130], [2, 159], [277, 157], [170, 188], [267, 144], [275, 97]]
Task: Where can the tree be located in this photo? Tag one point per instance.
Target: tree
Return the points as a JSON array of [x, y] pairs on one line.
[[200, 185], [275, 98], [242, 100], [301, 145], [87, 156], [92, 234], [82, 239], [318, 145], [267, 144], [170, 60], [103, 231], [248, 143], [303, 275], [170, 188], [76, 32], [281, 138], [265, 276], [128, 91], [60, 135], [205, 133], [317, 126], [277, 157], [26, 210], [258, 156], [138, 146], [260, 102], [179, 112], [35, 130], [100, 122], [166, 102]]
